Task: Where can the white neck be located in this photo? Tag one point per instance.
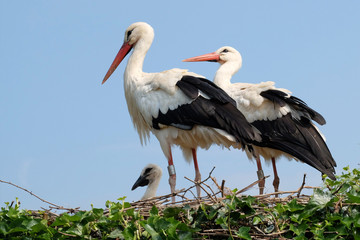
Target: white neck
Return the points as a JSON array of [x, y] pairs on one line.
[[151, 189], [136, 60], [225, 72]]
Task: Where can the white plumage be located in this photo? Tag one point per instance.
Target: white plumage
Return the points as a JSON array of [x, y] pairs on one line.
[[151, 95], [262, 104], [150, 176]]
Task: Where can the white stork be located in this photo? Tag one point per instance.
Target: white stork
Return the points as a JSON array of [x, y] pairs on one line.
[[284, 121], [177, 106], [150, 176]]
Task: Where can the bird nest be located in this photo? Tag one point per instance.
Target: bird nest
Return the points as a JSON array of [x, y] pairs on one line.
[[216, 198], [212, 197]]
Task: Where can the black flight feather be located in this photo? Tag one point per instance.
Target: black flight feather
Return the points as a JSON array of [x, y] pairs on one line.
[[300, 139]]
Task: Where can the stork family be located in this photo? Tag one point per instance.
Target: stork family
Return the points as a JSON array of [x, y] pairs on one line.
[[185, 109]]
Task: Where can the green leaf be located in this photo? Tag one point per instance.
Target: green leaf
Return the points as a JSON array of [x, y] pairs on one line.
[[294, 206], [353, 198], [152, 232], [129, 233], [62, 220], [222, 222], [39, 226], [76, 230], [244, 233], [256, 220], [161, 224], [300, 237], [3, 228], [77, 217], [154, 211], [172, 212], [347, 221], [13, 213], [320, 199], [17, 229], [116, 234], [299, 229]]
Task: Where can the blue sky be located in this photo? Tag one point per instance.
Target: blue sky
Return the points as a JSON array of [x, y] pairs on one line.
[[70, 139]]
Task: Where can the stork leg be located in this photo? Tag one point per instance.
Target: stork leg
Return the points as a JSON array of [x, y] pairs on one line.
[[172, 175], [260, 174], [276, 181], [197, 172]]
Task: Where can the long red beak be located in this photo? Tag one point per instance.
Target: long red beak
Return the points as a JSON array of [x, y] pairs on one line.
[[213, 57], [124, 50]]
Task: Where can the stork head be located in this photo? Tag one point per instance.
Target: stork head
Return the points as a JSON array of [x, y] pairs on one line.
[[222, 55], [148, 175], [134, 34]]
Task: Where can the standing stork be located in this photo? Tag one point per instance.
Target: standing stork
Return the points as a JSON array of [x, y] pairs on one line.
[[177, 106], [284, 121]]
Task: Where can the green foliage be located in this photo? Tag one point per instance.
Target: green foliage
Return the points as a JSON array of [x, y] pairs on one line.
[[333, 212]]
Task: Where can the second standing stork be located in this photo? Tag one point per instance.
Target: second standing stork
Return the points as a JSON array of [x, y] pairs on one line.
[[284, 121], [177, 106]]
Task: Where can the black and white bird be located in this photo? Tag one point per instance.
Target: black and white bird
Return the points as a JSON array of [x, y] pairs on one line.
[[150, 176], [285, 121], [179, 107]]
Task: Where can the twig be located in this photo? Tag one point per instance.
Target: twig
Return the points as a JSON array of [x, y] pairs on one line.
[[209, 195], [338, 189], [53, 206], [282, 192], [302, 186], [67, 234], [251, 185], [222, 188]]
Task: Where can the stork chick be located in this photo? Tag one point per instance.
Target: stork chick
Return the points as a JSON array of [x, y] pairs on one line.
[[150, 176]]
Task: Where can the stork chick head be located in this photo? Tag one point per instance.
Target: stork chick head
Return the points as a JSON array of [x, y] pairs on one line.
[[148, 175]]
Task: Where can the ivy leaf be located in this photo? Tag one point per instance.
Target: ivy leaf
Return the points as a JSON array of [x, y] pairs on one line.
[[76, 230], [347, 221], [294, 206], [116, 234], [154, 211], [256, 220], [39, 226], [320, 199], [172, 212], [3, 228], [152, 232], [60, 221], [185, 235], [244, 233], [17, 229], [222, 221], [299, 229], [98, 212]]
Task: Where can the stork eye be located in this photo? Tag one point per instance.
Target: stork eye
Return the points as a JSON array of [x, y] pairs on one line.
[[147, 171], [128, 34], [225, 51]]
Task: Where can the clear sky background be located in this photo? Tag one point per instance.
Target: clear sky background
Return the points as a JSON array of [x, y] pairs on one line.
[[70, 139]]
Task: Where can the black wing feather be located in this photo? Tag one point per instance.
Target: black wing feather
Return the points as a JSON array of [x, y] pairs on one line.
[[281, 98], [217, 112], [191, 85]]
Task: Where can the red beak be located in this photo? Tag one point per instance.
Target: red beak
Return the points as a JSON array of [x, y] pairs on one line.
[[214, 57], [124, 50]]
